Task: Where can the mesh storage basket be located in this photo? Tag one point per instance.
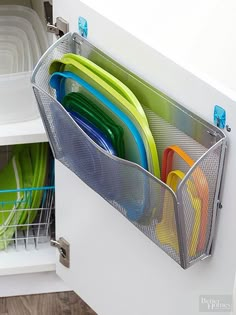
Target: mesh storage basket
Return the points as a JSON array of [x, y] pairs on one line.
[[181, 223]]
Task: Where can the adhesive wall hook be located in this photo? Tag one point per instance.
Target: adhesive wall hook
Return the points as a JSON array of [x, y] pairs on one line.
[[83, 27], [219, 117]]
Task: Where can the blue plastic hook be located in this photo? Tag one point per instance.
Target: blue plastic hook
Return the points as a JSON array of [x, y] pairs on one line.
[[83, 27], [219, 117]]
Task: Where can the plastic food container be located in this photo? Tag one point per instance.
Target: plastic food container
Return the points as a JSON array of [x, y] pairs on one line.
[[10, 34], [10, 60], [17, 99], [25, 26], [11, 56], [32, 17], [23, 39]]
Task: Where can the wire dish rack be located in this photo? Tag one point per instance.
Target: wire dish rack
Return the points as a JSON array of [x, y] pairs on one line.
[[180, 221], [26, 227]]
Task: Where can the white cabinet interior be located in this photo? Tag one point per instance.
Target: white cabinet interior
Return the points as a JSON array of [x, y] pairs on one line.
[[22, 254], [20, 122]]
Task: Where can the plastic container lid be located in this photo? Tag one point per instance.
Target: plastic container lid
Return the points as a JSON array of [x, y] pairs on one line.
[[10, 178], [134, 146], [120, 102], [114, 83], [80, 104], [39, 159], [93, 132], [32, 17]]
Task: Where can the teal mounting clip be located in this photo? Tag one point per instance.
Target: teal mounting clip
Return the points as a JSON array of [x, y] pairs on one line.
[[83, 27], [219, 117]]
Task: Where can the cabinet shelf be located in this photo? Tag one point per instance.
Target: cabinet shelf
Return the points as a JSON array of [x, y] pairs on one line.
[[30, 260], [24, 132]]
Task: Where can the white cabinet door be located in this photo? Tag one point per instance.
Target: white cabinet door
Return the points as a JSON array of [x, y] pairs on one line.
[[114, 267]]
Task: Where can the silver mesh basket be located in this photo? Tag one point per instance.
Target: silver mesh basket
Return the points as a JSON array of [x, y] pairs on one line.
[[169, 219]]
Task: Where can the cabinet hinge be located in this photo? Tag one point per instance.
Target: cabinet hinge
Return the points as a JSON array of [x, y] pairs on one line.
[[64, 250], [60, 28]]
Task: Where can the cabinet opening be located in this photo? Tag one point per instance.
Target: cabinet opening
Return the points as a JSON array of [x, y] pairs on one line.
[[26, 196]]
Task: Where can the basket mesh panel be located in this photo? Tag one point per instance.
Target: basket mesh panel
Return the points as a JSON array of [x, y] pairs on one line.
[[166, 135], [203, 179], [130, 189], [42, 76]]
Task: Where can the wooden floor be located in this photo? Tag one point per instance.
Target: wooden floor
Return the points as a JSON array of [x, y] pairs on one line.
[[63, 303]]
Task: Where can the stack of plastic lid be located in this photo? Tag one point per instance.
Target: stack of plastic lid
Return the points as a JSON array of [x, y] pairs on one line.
[[23, 39], [26, 168]]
